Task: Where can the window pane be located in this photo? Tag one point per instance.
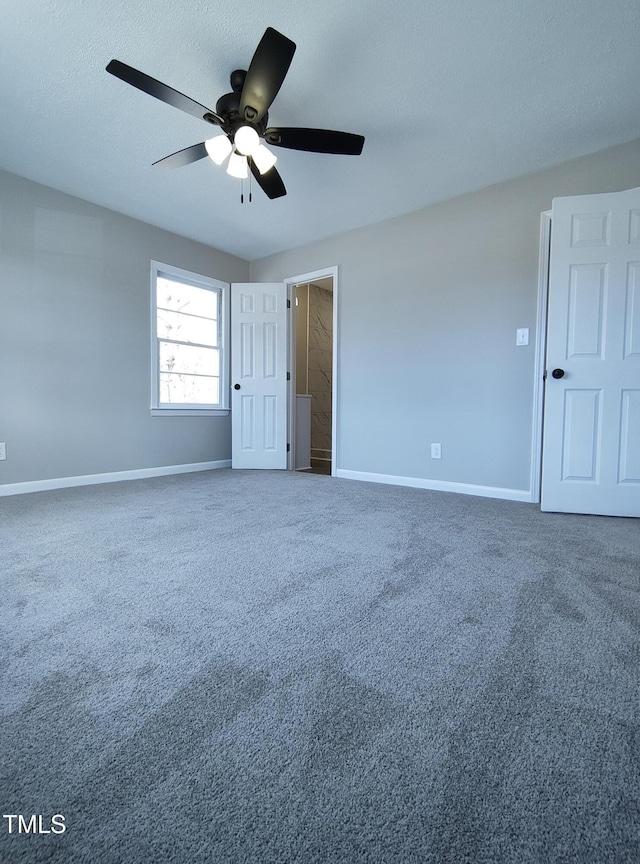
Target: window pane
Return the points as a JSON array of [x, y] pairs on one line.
[[186, 298], [186, 328], [176, 389], [189, 359]]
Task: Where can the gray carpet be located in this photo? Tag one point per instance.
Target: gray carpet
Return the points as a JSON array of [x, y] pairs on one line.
[[237, 667]]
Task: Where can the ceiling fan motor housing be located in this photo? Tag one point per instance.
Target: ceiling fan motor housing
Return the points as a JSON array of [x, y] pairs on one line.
[[228, 107], [236, 79]]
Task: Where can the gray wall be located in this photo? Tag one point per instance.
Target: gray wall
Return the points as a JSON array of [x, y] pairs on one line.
[[428, 309], [75, 339]]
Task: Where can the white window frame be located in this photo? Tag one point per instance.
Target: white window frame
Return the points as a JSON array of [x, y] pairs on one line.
[[222, 290]]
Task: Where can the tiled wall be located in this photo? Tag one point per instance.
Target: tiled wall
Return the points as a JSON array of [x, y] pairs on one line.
[[320, 368]]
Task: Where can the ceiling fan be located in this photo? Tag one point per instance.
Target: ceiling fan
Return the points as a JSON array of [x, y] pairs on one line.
[[242, 116]]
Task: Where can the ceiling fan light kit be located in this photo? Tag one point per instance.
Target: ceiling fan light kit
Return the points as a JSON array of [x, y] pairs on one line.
[[246, 140], [263, 159], [238, 166], [218, 148], [242, 116]]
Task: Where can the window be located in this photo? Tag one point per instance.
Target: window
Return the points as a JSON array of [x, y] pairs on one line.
[[189, 335]]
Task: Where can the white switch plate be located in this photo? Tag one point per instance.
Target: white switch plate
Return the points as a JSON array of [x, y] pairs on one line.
[[522, 336], [436, 451], [3, 451]]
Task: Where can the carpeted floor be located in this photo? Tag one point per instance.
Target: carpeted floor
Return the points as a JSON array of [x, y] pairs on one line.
[[257, 667]]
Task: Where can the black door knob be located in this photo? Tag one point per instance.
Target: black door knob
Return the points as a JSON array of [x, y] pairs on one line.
[[236, 386], [557, 373]]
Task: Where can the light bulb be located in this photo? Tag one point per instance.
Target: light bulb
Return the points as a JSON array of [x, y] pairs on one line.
[[246, 140], [264, 159], [218, 148], [237, 166]]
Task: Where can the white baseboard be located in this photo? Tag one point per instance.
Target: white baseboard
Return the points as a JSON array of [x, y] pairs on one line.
[[523, 495], [164, 470], [111, 477]]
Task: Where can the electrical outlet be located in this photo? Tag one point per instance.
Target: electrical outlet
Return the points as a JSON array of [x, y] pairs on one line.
[[436, 451], [3, 451]]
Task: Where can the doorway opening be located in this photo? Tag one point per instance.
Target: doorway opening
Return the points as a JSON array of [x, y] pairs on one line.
[[313, 364], [313, 303]]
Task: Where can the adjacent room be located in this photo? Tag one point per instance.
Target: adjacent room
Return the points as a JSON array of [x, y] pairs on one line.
[[320, 432]]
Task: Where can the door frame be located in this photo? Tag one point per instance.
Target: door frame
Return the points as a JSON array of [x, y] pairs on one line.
[[292, 282], [540, 359]]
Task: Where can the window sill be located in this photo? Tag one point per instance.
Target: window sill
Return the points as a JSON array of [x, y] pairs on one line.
[[190, 412]]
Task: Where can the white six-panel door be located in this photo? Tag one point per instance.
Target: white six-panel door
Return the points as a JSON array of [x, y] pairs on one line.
[[258, 375], [591, 437]]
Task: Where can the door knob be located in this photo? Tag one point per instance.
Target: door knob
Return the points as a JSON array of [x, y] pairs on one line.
[[557, 373], [236, 386]]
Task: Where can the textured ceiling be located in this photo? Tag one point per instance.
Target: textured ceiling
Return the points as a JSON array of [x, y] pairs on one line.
[[451, 95]]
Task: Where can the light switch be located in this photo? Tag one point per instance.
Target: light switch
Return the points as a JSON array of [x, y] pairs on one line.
[[522, 336]]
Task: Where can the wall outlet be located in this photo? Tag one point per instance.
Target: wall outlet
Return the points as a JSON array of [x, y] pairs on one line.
[[436, 451], [3, 451]]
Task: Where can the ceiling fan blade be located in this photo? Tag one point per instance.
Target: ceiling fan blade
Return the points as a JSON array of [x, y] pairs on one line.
[[270, 182], [265, 74], [162, 91], [315, 140], [183, 157]]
